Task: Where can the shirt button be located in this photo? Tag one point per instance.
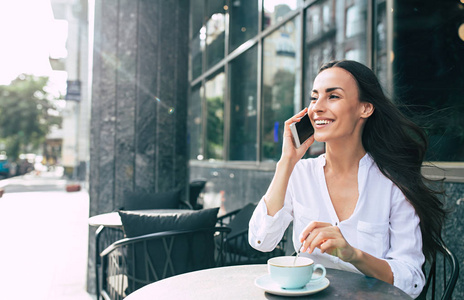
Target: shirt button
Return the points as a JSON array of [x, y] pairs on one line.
[[259, 242]]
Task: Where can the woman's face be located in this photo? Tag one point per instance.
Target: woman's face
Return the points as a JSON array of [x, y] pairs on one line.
[[335, 110]]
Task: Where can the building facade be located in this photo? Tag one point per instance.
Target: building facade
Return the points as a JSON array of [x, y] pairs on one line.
[[71, 63]]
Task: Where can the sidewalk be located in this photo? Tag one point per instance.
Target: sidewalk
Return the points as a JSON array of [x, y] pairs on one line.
[[43, 253]]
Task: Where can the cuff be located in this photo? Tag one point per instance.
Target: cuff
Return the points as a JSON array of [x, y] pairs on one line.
[[405, 279]]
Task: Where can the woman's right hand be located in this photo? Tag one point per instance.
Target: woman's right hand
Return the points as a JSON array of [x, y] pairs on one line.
[[289, 151]]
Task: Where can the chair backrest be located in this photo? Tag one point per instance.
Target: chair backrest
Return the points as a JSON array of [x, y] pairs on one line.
[[237, 250], [195, 188], [145, 258], [132, 263], [142, 200], [445, 263]]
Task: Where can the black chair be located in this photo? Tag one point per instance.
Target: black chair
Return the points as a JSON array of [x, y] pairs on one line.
[[134, 200], [446, 262], [237, 250], [157, 246], [104, 236], [139, 200], [195, 188], [132, 263]]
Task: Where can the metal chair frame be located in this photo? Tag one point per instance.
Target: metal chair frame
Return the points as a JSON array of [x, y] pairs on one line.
[[104, 236], [449, 278], [118, 272], [239, 240]]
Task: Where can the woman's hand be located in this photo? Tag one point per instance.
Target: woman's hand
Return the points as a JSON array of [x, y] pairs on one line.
[[328, 239], [289, 151]]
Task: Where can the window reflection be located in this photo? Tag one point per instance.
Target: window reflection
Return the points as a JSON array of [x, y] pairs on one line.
[[329, 36], [198, 37], [243, 18], [195, 124], [281, 96], [416, 59], [381, 43], [276, 10], [355, 43], [428, 61], [243, 107], [214, 92], [215, 31], [321, 39]]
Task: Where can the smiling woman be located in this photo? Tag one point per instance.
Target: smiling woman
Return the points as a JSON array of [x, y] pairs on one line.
[[335, 106], [367, 189]]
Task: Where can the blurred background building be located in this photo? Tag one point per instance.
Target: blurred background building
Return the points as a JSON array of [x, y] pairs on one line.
[[69, 145]]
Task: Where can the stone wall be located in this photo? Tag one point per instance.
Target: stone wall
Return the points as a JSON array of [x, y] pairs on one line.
[[139, 101]]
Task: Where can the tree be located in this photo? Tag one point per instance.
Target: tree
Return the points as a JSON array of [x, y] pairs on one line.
[[27, 112]]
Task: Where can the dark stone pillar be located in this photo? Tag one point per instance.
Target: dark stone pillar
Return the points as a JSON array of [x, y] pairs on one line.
[[139, 103]]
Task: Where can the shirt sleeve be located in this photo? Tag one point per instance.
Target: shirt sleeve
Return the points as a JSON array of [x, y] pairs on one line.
[[264, 231], [405, 255]]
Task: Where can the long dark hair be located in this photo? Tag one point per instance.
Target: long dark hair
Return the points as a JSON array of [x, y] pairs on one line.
[[398, 147]]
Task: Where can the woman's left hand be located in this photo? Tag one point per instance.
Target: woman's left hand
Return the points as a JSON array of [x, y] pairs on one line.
[[328, 239]]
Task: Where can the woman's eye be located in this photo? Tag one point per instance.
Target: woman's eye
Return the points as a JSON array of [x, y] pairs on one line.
[[313, 98], [333, 97]]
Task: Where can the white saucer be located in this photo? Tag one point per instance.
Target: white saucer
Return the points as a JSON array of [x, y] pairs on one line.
[[266, 283]]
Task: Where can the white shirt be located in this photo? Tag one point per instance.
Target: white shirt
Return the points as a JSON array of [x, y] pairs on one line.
[[383, 224]]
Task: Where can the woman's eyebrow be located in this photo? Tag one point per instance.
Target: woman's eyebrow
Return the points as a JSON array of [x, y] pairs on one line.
[[328, 90]]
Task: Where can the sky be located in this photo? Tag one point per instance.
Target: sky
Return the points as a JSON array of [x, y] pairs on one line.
[[27, 31]]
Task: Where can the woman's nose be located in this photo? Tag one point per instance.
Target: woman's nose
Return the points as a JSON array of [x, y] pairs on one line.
[[315, 106]]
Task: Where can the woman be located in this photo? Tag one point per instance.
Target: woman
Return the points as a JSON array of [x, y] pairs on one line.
[[362, 206]]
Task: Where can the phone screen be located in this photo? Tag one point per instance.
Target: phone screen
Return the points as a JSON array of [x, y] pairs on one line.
[[304, 129]]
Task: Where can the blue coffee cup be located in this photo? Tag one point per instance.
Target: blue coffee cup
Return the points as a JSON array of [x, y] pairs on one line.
[[293, 273]]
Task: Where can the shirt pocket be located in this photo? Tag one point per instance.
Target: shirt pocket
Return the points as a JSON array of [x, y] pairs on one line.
[[303, 216], [373, 238]]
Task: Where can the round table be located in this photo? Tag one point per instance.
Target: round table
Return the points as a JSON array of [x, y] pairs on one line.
[[237, 282]]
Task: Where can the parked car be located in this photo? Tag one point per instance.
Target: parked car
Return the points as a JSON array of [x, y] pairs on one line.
[[4, 167]]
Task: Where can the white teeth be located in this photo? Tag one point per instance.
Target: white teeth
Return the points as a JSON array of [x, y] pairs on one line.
[[322, 122]]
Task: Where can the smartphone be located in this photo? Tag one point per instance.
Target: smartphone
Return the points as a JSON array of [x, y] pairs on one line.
[[302, 130]]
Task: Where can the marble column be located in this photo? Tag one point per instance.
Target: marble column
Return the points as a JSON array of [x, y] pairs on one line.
[[139, 103]]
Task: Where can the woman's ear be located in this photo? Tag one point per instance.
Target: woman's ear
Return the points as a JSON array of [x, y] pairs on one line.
[[368, 110]]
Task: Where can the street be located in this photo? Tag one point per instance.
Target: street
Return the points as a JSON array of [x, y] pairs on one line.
[[44, 233]]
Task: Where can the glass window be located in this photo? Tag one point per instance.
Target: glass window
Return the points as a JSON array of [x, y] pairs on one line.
[[243, 16], [381, 43], [281, 85], [354, 44], [198, 36], [243, 106], [215, 31], [355, 22], [329, 37], [321, 39], [214, 93], [275, 10], [195, 124], [429, 72]]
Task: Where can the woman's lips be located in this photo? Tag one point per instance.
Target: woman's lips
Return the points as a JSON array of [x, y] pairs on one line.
[[322, 122]]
